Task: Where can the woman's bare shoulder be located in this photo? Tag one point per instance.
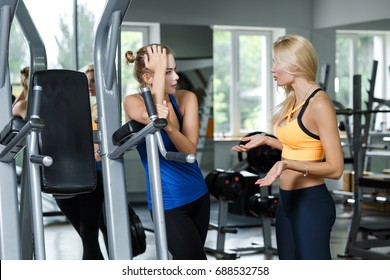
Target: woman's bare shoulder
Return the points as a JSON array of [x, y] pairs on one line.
[[322, 105], [183, 95], [133, 98], [321, 99]]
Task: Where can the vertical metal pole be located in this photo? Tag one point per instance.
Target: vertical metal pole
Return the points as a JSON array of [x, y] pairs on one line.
[[157, 201], [76, 35], [5, 25], [266, 223], [36, 199], [25, 211], [115, 194], [357, 128], [357, 163], [35, 180], [10, 247], [38, 61], [222, 223], [155, 179]]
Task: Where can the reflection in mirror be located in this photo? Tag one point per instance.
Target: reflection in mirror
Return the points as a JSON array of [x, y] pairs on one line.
[[193, 48]]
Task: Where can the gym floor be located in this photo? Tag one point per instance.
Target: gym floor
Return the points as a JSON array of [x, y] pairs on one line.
[[63, 243]]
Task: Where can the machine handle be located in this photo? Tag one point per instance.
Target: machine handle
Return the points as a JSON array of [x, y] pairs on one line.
[[36, 101], [41, 160], [150, 107], [180, 157]]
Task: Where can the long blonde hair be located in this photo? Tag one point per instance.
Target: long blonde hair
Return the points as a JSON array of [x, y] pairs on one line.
[[297, 56]]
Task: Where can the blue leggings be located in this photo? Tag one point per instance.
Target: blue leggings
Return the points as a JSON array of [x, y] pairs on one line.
[[304, 220]]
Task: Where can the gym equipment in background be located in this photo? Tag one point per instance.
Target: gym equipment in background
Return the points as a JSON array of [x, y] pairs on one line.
[[14, 222], [226, 185], [259, 206], [365, 236], [138, 237], [259, 161], [324, 76], [236, 193]]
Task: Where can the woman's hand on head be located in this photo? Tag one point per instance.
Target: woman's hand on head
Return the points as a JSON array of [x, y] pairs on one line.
[[156, 58]]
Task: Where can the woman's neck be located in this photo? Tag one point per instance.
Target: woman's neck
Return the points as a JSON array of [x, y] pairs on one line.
[[302, 91]]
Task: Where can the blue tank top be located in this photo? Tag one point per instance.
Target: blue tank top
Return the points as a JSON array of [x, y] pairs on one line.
[[181, 183], [98, 165]]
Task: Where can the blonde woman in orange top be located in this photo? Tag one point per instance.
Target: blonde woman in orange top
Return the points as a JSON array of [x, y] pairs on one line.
[[307, 134]]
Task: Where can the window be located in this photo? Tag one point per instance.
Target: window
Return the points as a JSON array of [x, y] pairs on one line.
[[242, 63], [57, 31], [355, 53], [19, 57], [133, 37]]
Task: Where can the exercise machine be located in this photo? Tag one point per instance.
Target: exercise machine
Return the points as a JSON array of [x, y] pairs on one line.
[[16, 135], [343, 125], [10, 247], [127, 137], [22, 231], [235, 191], [108, 104], [358, 244], [205, 113], [324, 76]]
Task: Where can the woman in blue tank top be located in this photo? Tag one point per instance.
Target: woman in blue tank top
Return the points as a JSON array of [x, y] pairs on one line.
[[185, 194]]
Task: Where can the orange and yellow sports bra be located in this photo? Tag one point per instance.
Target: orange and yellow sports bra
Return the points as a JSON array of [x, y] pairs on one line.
[[298, 142]]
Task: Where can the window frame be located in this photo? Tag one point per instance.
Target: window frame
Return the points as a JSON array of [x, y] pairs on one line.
[[150, 33], [381, 51], [269, 99]]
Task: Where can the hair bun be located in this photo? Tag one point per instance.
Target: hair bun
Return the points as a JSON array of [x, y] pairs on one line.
[[130, 57]]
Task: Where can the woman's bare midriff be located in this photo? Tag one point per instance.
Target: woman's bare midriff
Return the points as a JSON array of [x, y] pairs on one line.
[[294, 180]]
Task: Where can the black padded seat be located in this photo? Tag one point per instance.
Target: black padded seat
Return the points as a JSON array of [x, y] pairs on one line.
[[122, 134], [11, 129], [67, 136]]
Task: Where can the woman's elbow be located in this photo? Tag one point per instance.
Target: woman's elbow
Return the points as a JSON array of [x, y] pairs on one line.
[[338, 173]]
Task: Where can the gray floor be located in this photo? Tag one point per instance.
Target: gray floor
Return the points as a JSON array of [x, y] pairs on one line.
[[63, 243]]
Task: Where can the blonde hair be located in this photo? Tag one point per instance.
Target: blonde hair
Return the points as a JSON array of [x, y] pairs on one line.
[[296, 56], [138, 59], [89, 69]]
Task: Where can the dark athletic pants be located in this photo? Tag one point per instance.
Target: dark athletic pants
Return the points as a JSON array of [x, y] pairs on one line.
[[84, 211], [304, 221], [187, 228]]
